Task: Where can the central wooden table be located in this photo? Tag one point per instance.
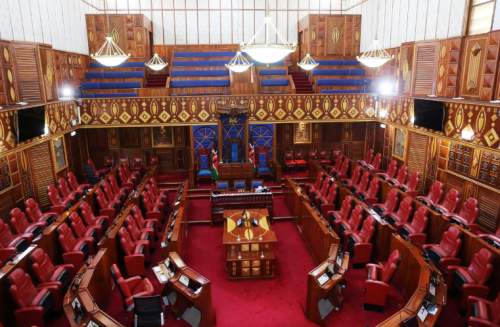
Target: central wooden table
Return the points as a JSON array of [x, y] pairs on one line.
[[249, 250]]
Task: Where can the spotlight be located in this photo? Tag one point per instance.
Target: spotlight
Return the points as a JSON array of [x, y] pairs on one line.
[[382, 113], [467, 134], [46, 129], [383, 125], [412, 120], [72, 133], [67, 92], [386, 87]]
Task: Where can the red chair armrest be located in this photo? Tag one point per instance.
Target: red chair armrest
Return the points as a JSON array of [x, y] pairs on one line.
[[418, 238], [70, 269], [325, 208], [154, 215], [478, 322], [362, 252], [135, 264], [133, 281], [110, 212], [447, 262], [480, 291], [74, 258], [128, 186], [30, 316], [370, 200], [56, 289], [59, 209]]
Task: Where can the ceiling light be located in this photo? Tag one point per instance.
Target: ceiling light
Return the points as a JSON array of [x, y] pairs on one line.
[[67, 92], [467, 134], [386, 87], [383, 125], [268, 53], [156, 63], [239, 64], [307, 63]]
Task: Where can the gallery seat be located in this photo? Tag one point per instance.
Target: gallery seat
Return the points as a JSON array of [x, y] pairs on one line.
[[131, 287], [81, 231], [125, 189], [21, 224], [392, 170], [343, 213], [402, 215], [76, 251], [327, 203], [400, 177], [106, 208], [368, 158], [450, 203], [375, 165], [390, 205], [309, 188], [145, 223], [434, 196], [100, 172], [57, 203], [136, 254], [362, 183], [75, 186], [467, 215], [136, 234], [356, 176], [90, 219], [352, 223], [482, 312], [369, 196], [66, 192], [35, 214], [336, 166], [415, 231], [289, 162], [300, 160], [8, 240], [322, 159], [411, 185], [445, 253], [46, 272], [359, 242]]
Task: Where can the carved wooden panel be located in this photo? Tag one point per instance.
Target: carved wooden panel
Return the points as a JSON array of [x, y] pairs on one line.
[[114, 138], [406, 69], [11, 95], [425, 67], [49, 78], [28, 75], [448, 67], [42, 170], [490, 210]]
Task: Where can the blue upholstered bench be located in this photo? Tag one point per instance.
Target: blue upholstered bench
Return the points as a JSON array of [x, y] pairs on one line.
[[274, 82], [110, 85], [206, 54], [341, 91], [96, 75], [126, 64], [111, 95], [338, 62], [198, 73], [196, 63], [320, 72], [200, 83], [267, 72], [213, 63], [342, 82]]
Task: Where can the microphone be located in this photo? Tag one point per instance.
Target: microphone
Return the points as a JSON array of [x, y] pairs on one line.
[[400, 317]]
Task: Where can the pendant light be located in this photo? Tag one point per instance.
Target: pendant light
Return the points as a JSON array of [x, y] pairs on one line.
[[268, 53], [307, 63], [156, 63], [375, 55], [110, 53]]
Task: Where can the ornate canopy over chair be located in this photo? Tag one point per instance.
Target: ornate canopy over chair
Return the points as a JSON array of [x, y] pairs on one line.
[[235, 149], [203, 164], [264, 162]]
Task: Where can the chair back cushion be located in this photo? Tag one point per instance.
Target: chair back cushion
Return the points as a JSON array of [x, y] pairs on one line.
[[469, 210], [66, 237], [313, 154], [373, 188], [126, 241], [356, 175], [419, 222], [288, 156], [322, 154], [451, 242], [436, 192], [346, 207], [356, 217], [392, 169], [33, 210], [234, 152], [222, 186], [390, 267], [204, 161], [262, 159], [367, 229], [413, 181], [42, 266], [73, 183], [256, 184], [18, 221], [239, 185], [405, 209], [451, 200], [402, 174], [365, 180], [480, 267], [22, 290], [6, 236], [63, 187], [376, 161], [369, 157]]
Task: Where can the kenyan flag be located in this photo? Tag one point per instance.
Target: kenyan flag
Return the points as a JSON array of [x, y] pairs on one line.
[[215, 160], [251, 150]]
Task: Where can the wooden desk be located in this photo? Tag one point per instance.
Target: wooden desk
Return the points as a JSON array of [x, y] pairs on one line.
[[180, 199], [293, 200], [412, 276], [90, 310], [240, 170], [185, 300], [177, 242], [330, 291], [8, 306], [135, 196], [110, 239], [232, 200], [249, 250], [316, 235]]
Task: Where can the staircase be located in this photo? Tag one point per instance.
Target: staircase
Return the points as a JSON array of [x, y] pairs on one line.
[[302, 84], [157, 80]]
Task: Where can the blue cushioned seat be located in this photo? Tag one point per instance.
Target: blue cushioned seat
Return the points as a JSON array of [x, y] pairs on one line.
[[344, 82], [257, 63], [357, 72], [174, 94], [341, 91], [215, 93], [330, 62], [221, 83], [256, 184], [219, 72], [183, 93], [239, 185], [204, 93], [204, 161], [90, 85], [286, 92], [277, 92], [320, 72], [194, 93], [275, 82], [115, 95], [219, 62], [90, 75], [204, 172], [351, 63], [126, 64], [89, 95], [124, 74], [222, 186], [196, 63], [266, 92], [263, 170], [360, 81], [119, 85], [266, 72], [223, 54], [191, 54], [199, 83], [226, 93], [190, 73]]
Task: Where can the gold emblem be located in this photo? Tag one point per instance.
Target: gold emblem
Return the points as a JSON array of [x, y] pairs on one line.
[[443, 52], [69, 60], [115, 36], [9, 76], [49, 74], [356, 36], [91, 37], [139, 36], [441, 71], [12, 94], [313, 35], [6, 54], [406, 70], [335, 35]]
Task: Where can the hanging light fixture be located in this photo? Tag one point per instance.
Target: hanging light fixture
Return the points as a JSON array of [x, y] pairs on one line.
[[307, 63], [375, 55], [239, 64], [156, 63], [110, 53], [268, 53]]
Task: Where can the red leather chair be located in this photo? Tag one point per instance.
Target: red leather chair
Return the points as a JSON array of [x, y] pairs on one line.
[[106, 208], [116, 189], [345, 211], [368, 158], [134, 175], [80, 230], [136, 165], [145, 223], [434, 196], [344, 170], [322, 159], [112, 196], [66, 192], [137, 234], [327, 203], [156, 189], [6, 254], [445, 253], [152, 161], [100, 172], [289, 162], [46, 272], [359, 242], [467, 215], [390, 204], [89, 218], [57, 204], [153, 210], [131, 287], [369, 196], [402, 215], [76, 251], [8, 240], [21, 224], [299, 159], [482, 312], [108, 162], [450, 203], [375, 165], [493, 239], [312, 154], [410, 187], [323, 191], [415, 230], [400, 177], [392, 170], [126, 182], [353, 223], [469, 281], [35, 214], [309, 188], [136, 254], [378, 282], [356, 176], [75, 186], [337, 164], [363, 183], [35, 303], [157, 199]]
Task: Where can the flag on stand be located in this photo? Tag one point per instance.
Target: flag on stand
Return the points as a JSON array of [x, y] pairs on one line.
[[251, 150], [215, 160]]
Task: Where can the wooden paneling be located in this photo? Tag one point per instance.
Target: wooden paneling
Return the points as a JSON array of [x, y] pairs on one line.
[[28, 74], [425, 67], [406, 68], [448, 67], [417, 154], [42, 170]]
